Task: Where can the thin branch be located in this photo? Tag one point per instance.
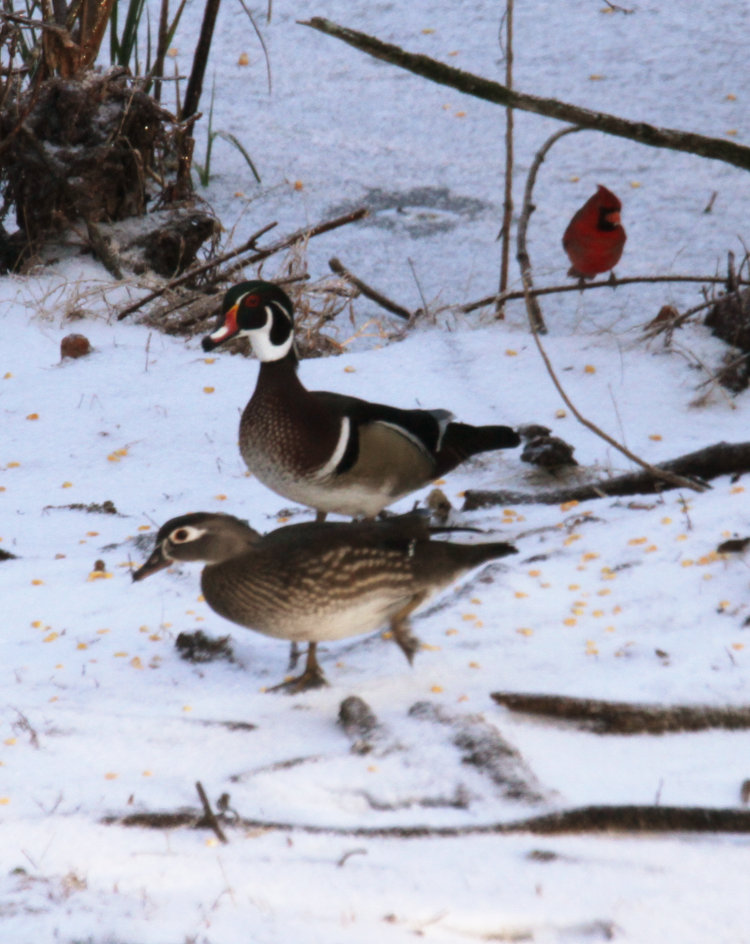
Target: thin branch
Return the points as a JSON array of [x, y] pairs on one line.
[[532, 306], [650, 135], [195, 272], [299, 235], [262, 41], [259, 256], [517, 294], [209, 816], [536, 323], [508, 183], [395, 309]]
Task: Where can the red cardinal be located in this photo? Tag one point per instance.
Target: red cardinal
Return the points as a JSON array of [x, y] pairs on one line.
[[595, 238]]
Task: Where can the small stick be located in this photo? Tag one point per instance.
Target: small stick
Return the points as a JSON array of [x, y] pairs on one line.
[[209, 816], [297, 236], [192, 273], [395, 309]]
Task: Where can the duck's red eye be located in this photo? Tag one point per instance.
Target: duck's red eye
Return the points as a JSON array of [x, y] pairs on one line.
[[251, 301]]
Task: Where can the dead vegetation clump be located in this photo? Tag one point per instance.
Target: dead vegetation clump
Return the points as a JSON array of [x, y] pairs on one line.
[[319, 331], [90, 149], [729, 319]]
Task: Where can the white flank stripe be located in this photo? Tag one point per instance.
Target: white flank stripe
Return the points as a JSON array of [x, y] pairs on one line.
[[338, 453]]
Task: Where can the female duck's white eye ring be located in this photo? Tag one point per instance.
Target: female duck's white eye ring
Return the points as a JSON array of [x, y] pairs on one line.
[[184, 534]]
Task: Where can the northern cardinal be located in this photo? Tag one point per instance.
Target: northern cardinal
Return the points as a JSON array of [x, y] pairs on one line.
[[594, 239]]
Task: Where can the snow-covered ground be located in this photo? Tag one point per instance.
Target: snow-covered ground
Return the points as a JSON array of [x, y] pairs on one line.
[[623, 599]]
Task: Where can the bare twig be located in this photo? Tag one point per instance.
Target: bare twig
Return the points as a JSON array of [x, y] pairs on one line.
[[257, 256], [517, 294], [391, 306], [536, 323], [616, 8], [208, 814], [262, 41], [299, 235], [195, 272], [656, 472], [536, 320], [650, 135], [508, 188]]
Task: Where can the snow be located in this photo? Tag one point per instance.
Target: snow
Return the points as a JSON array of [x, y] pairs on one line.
[[611, 599]]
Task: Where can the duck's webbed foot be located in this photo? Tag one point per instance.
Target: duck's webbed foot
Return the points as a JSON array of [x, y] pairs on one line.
[[312, 677]]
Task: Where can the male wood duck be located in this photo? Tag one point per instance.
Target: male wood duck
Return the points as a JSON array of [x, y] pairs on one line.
[[332, 452], [318, 580]]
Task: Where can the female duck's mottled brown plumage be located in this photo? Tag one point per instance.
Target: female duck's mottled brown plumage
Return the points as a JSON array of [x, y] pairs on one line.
[[332, 452], [318, 581]]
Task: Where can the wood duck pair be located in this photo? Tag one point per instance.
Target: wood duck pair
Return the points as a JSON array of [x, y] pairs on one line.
[[332, 452], [319, 580]]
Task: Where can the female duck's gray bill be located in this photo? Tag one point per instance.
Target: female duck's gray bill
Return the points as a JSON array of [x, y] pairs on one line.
[[157, 561]]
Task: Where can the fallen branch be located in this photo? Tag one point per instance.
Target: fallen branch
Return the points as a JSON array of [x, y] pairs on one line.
[[708, 463], [616, 717], [650, 135], [580, 820], [365, 289], [483, 747]]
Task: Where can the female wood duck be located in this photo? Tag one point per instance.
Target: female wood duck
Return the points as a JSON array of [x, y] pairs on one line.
[[319, 580], [329, 451]]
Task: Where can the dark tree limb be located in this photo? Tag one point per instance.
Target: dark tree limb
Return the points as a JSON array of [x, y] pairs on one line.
[[576, 821], [652, 136], [200, 59], [703, 464], [616, 717], [371, 293]]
